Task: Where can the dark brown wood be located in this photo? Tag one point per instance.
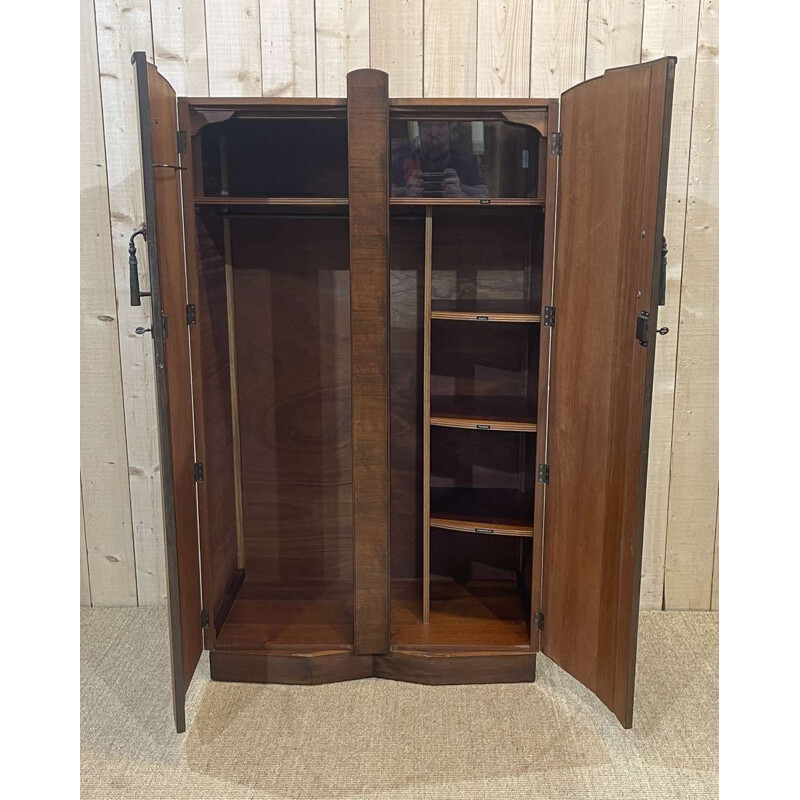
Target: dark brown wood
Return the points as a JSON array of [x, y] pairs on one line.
[[610, 205], [483, 614], [320, 354], [308, 669], [406, 385], [368, 153], [445, 669], [298, 615], [216, 498], [550, 172], [162, 190], [292, 298], [306, 157], [227, 601]]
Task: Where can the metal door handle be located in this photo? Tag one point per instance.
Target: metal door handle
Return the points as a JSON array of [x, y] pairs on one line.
[[133, 263]]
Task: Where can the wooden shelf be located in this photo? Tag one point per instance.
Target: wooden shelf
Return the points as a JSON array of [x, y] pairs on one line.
[[487, 202], [497, 512], [271, 201], [480, 615], [484, 311], [483, 413]]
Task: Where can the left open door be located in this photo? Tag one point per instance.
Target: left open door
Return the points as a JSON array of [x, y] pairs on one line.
[[164, 235]]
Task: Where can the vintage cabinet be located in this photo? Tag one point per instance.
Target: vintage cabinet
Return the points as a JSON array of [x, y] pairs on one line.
[[404, 352]]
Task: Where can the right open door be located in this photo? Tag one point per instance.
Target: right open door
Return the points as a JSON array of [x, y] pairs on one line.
[[611, 194]]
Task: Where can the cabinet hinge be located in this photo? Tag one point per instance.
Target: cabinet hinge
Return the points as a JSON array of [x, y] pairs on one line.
[[556, 143], [198, 472], [181, 140], [643, 327], [191, 314], [538, 620], [544, 473], [204, 619], [549, 316]]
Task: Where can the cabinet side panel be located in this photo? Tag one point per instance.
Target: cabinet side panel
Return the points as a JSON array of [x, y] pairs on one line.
[[368, 134]]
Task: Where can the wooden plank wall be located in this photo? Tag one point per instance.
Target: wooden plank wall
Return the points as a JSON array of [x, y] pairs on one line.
[[435, 48]]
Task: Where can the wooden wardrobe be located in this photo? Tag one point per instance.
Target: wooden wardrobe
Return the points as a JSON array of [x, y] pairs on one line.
[[404, 356]]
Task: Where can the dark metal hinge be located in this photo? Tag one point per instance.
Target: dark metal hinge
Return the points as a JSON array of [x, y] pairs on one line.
[[556, 143], [204, 622], [191, 314], [643, 327], [538, 620], [198, 472], [544, 473], [181, 140], [549, 316]]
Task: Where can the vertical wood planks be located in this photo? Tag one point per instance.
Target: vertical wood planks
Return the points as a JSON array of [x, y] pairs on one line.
[[114, 362], [288, 48], [86, 587], [451, 48], [715, 580], [558, 46], [342, 43], [613, 35], [179, 44], [395, 33], [668, 29], [695, 448], [504, 48], [234, 48]]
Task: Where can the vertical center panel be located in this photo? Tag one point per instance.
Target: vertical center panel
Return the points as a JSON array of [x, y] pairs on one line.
[[368, 155]]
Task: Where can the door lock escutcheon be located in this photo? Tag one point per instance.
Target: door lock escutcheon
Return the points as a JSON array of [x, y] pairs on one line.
[[643, 328]]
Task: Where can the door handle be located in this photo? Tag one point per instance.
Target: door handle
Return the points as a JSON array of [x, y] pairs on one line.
[[662, 275], [133, 264]]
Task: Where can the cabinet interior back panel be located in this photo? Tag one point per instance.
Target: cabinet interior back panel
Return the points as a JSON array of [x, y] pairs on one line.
[[293, 346]]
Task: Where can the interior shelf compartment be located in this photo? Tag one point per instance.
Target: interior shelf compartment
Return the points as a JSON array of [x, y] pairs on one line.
[[441, 157], [495, 364], [483, 413], [306, 158], [303, 615], [485, 310], [482, 483], [480, 614], [499, 512], [486, 264]]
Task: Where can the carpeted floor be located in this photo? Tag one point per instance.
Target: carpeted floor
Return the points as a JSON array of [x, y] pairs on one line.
[[386, 740]]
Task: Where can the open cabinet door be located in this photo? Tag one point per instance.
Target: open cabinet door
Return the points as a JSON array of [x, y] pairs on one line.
[[164, 235], [611, 194]]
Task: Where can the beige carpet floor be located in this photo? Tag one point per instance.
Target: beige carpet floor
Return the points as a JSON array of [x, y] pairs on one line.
[[386, 740]]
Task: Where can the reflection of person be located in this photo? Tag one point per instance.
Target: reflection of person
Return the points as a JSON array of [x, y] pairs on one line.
[[436, 169]]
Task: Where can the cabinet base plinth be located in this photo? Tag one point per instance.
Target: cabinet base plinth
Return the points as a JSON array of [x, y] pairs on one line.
[[414, 666]]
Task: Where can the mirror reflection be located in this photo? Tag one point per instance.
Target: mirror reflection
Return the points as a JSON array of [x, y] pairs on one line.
[[470, 158]]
